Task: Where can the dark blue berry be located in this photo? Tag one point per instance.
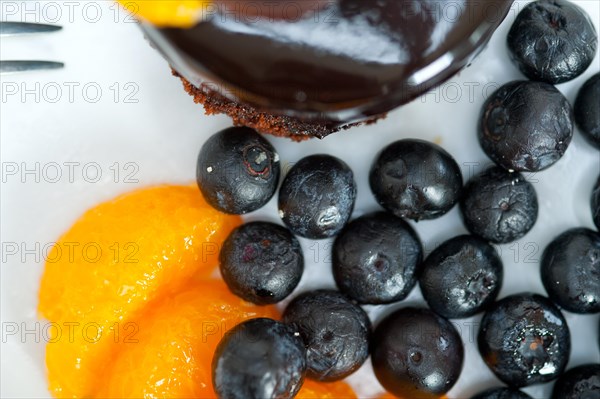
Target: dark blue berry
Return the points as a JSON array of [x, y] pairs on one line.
[[525, 126], [524, 339], [317, 196], [375, 259], [552, 41], [461, 277], [571, 270], [415, 179], [499, 206], [501, 393], [416, 353], [237, 171], [596, 203], [582, 382], [259, 359], [587, 110], [336, 333], [261, 262]]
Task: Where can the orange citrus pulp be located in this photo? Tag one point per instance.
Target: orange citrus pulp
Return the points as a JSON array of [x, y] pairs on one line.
[[175, 13], [171, 355], [330, 390], [115, 259]]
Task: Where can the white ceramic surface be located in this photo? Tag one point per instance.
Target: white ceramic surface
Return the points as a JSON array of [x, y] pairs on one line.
[[115, 107]]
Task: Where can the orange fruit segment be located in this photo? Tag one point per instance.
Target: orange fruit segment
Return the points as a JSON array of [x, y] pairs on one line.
[[330, 390], [175, 342], [115, 259], [174, 13]]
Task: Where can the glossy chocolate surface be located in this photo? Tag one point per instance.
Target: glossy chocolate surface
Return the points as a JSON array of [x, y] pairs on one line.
[[338, 59]]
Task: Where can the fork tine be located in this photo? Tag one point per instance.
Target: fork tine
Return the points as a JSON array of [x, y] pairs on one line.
[[18, 28], [22, 66]]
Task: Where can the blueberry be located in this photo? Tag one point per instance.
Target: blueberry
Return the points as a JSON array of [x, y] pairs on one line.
[[416, 353], [525, 126], [582, 382], [596, 203], [261, 262], [317, 196], [524, 339], [237, 170], [259, 359], [571, 270], [461, 277], [587, 110], [375, 259], [336, 333], [499, 206], [501, 393], [552, 41], [415, 179]]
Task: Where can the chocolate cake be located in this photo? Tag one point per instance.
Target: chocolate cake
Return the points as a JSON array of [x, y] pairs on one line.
[[246, 115], [325, 68]]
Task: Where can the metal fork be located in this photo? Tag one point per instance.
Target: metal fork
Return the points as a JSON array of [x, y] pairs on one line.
[[19, 28]]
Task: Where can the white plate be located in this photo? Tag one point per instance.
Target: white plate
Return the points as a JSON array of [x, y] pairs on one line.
[[116, 110]]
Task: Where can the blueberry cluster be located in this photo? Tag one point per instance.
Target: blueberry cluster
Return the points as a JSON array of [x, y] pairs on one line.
[[378, 258]]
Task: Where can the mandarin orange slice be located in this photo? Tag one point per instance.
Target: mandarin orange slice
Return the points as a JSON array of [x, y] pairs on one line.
[[171, 354], [330, 390], [175, 13], [114, 260]]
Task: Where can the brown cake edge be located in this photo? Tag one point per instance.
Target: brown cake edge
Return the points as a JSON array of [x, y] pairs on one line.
[[277, 125]]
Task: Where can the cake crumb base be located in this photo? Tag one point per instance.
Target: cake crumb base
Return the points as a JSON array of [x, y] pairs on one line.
[[277, 125]]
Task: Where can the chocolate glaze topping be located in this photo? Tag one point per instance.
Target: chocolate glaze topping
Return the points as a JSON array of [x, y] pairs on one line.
[[338, 60]]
